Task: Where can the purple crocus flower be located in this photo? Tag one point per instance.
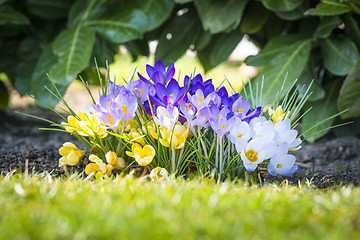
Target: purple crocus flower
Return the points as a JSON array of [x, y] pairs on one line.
[[167, 117], [222, 125], [241, 109], [202, 118], [199, 100], [226, 101], [158, 73], [106, 112], [170, 94], [141, 89], [125, 106], [188, 110], [197, 83]]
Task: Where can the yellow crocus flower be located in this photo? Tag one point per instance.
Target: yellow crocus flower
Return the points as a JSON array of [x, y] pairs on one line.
[[158, 173], [277, 115], [70, 154], [98, 166], [143, 156], [177, 136], [72, 124], [115, 161], [135, 136], [91, 126]]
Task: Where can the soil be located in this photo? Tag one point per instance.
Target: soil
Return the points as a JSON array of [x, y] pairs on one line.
[[328, 162]]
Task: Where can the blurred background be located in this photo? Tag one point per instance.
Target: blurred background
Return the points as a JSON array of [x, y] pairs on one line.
[[53, 43]]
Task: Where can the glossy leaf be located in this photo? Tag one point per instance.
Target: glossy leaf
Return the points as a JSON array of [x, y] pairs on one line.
[[281, 5], [157, 11], [40, 79], [217, 16], [10, 16], [83, 9], [182, 32], [54, 9], [73, 48], [137, 48], [103, 51], [219, 49], [4, 97], [329, 8], [183, 1], [340, 55], [294, 14], [327, 25], [321, 110], [275, 46], [349, 97], [290, 62], [251, 23], [120, 27]]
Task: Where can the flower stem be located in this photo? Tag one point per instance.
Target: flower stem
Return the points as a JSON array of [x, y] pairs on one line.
[[217, 152], [203, 144], [173, 155], [221, 157], [180, 156]]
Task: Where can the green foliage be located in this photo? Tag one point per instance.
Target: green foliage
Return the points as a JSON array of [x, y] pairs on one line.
[[303, 39], [44, 207]]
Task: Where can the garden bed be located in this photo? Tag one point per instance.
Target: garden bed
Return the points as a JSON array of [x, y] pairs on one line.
[[328, 162]]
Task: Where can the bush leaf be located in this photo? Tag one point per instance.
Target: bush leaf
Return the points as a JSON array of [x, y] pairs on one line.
[[120, 27], [10, 16], [329, 8], [340, 55], [290, 62], [54, 9], [217, 16], [281, 5], [349, 97], [73, 48], [326, 26], [325, 108]]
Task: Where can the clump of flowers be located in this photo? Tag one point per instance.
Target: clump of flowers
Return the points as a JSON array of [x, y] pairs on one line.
[[163, 124]]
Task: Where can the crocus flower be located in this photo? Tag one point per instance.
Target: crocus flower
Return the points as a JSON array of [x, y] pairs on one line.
[[282, 163], [175, 138], [226, 101], [202, 118], [171, 93], [188, 110], [284, 133], [72, 124], [158, 73], [135, 136], [141, 89], [277, 115], [143, 155], [241, 109], [91, 126], [106, 112], [199, 100], [256, 151], [166, 117], [158, 173], [98, 166], [125, 106], [115, 161], [222, 125], [240, 134], [262, 128], [70, 154], [197, 83]]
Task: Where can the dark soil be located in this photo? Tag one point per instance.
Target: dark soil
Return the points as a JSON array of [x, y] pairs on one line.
[[326, 163]]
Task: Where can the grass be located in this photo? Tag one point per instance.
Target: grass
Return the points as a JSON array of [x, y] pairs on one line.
[[41, 207]]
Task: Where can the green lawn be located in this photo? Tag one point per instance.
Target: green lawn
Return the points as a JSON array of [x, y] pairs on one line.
[[40, 207]]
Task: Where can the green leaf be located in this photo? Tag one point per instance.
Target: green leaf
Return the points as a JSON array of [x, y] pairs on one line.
[[329, 8], [349, 97], [73, 48], [120, 27], [321, 110], [21, 76], [4, 97], [183, 1], [291, 61], [340, 55], [219, 49], [54, 9], [216, 16], [184, 30], [272, 48], [326, 26], [10, 16], [281, 5], [203, 41], [157, 11], [103, 51], [307, 76], [40, 79], [138, 48], [251, 23], [294, 14], [83, 9]]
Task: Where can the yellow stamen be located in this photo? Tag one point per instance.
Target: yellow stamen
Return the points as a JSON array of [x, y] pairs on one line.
[[201, 99], [171, 95], [251, 155], [240, 135], [124, 109], [110, 119]]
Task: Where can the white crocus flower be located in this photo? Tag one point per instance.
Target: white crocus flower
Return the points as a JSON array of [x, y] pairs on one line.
[[262, 128], [240, 134], [284, 133], [282, 163], [256, 151]]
